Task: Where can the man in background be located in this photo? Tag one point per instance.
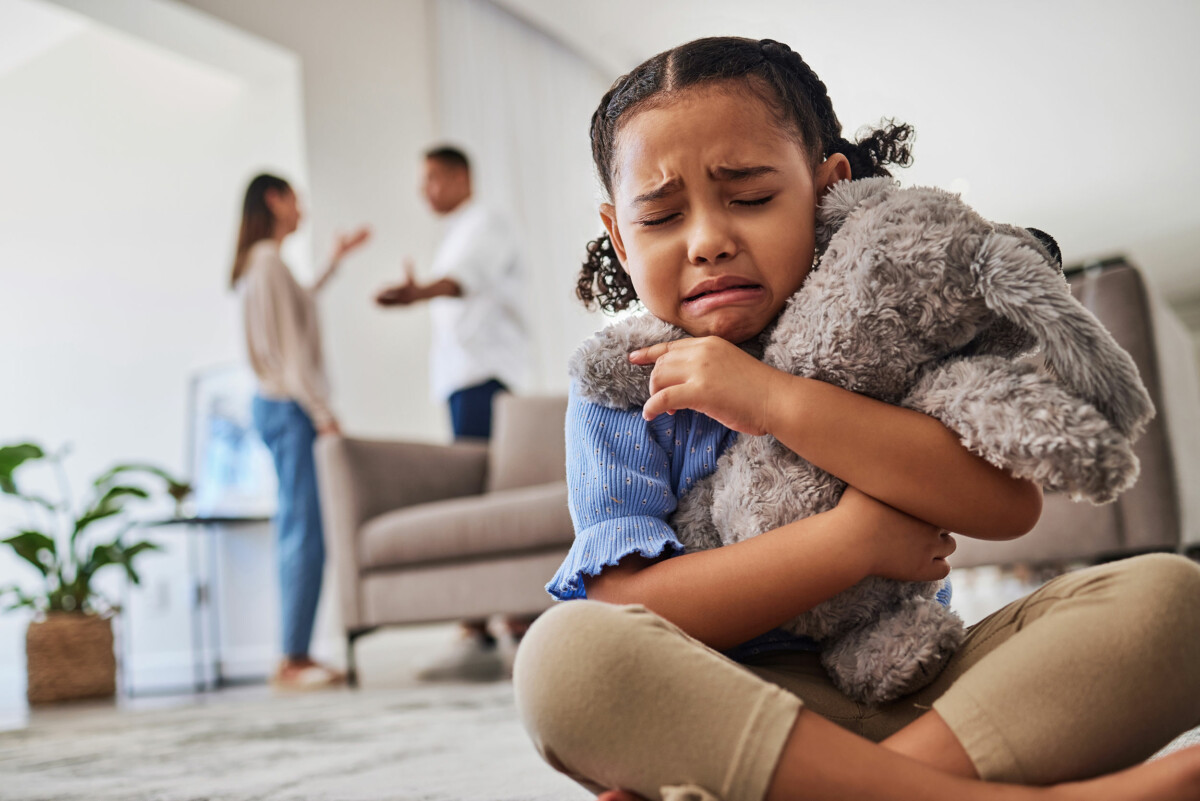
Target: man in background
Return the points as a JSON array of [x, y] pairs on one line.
[[479, 348], [480, 343]]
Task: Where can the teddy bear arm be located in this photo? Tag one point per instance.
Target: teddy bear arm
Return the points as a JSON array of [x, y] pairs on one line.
[[897, 653], [1023, 421], [693, 521]]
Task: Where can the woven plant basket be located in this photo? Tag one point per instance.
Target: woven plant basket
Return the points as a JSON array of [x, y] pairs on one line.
[[70, 656]]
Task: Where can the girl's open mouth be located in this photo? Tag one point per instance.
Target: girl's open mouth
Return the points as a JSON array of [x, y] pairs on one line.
[[706, 301]]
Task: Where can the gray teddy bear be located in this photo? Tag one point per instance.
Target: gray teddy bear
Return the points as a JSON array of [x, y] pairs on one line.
[[917, 301]]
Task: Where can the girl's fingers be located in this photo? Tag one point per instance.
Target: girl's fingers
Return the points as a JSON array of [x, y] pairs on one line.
[[661, 402], [655, 352], [666, 373]]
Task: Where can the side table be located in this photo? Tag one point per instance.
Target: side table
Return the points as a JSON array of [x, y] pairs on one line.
[[204, 589]]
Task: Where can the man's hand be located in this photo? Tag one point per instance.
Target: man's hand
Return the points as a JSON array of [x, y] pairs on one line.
[[399, 295], [712, 376]]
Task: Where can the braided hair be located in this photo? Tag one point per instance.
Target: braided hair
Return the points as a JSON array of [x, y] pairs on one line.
[[778, 76]]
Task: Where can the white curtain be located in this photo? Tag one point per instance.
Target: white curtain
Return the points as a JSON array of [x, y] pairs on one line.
[[519, 103]]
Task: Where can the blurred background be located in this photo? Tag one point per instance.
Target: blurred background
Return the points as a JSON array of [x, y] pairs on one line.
[[129, 128]]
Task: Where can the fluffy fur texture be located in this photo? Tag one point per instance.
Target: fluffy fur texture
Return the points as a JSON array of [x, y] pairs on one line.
[[916, 300]]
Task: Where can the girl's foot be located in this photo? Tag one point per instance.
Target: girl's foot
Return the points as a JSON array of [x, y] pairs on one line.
[[1175, 777]]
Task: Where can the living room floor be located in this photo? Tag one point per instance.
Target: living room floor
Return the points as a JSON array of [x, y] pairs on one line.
[[394, 738]]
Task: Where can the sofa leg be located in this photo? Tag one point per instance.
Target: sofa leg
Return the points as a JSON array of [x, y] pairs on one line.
[[351, 662]]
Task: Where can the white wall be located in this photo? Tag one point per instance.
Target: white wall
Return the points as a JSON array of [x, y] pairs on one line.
[[1077, 118], [368, 109], [123, 157]]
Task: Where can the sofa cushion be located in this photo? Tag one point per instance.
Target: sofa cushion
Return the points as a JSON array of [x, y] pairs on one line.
[[463, 528], [1067, 531], [528, 442]]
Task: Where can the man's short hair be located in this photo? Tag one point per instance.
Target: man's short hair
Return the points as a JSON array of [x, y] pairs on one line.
[[449, 156]]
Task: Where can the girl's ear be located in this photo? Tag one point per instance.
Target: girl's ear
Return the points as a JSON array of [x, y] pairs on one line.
[[830, 171], [608, 215]]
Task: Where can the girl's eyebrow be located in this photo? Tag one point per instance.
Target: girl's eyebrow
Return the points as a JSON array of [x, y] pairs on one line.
[[740, 173], [667, 187], [672, 185]]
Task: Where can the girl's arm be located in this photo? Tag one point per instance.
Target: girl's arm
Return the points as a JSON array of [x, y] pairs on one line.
[[903, 458], [726, 596]]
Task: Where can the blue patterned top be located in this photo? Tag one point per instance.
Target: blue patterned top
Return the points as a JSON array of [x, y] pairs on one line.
[[625, 476]]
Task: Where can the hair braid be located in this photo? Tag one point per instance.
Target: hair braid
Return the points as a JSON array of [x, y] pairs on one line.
[[874, 148]]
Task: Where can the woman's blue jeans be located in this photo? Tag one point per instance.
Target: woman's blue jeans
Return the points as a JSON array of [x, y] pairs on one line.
[[289, 434]]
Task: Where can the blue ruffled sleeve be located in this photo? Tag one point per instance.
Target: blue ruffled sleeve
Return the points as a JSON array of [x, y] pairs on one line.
[[620, 493]]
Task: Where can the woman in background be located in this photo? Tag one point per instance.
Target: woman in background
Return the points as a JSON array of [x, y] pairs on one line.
[[291, 406]]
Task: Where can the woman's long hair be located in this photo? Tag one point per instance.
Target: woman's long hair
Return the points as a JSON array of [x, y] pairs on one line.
[[257, 220]]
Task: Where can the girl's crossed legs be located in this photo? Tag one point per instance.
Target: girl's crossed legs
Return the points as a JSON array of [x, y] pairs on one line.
[[1090, 674]]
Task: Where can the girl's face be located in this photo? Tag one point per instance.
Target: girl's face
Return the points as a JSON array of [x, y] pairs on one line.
[[714, 210]]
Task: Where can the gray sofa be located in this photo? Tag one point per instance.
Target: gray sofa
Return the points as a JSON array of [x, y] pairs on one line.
[[1162, 511], [421, 533]]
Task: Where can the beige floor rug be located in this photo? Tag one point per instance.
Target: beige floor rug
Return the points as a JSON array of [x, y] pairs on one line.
[[453, 743], [460, 743]]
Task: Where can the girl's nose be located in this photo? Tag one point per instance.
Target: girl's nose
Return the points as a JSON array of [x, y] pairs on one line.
[[711, 240]]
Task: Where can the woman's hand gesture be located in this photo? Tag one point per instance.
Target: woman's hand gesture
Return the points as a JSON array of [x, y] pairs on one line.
[[712, 376], [346, 242], [343, 244]]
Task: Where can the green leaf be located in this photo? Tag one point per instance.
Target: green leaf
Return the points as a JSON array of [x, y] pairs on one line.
[[138, 547], [109, 504], [91, 516], [101, 556], [20, 599], [12, 457], [36, 499], [128, 554], [24, 601], [175, 488], [31, 546]]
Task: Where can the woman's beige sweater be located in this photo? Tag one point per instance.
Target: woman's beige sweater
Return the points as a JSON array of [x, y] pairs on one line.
[[283, 335]]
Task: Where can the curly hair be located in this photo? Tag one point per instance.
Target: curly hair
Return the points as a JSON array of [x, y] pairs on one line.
[[779, 77]]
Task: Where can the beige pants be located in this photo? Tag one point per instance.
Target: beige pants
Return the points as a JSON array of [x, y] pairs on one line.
[[1093, 672]]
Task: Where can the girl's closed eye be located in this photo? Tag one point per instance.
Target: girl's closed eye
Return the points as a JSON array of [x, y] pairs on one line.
[[758, 201], [665, 218], [659, 220]]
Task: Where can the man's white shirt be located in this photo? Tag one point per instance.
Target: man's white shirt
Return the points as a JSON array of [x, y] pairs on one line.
[[482, 333]]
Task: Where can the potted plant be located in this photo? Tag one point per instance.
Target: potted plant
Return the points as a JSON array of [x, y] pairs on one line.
[[69, 644]]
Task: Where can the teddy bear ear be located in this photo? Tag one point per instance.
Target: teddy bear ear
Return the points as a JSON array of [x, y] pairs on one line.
[[600, 367], [844, 197], [1019, 283]]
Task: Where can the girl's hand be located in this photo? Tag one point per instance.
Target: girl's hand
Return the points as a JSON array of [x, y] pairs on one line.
[[896, 545], [712, 376]]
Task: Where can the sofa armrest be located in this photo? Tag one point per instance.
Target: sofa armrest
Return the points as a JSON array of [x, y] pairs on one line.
[[359, 479]]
